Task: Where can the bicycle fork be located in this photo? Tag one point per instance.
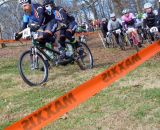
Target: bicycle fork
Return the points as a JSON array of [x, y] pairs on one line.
[[34, 58]]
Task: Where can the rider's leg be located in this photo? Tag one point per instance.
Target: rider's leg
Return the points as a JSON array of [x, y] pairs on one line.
[[50, 30], [152, 36], [62, 38], [45, 33], [70, 33], [62, 43], [116, 38], [104, 34]]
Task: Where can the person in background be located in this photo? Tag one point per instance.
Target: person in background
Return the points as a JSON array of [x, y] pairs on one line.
[[104, 27], [150, 18], [139, 20], [113, 25], [129, 21]]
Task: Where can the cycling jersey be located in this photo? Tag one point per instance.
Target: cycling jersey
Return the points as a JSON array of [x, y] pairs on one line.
[[113, 25], [139, 23], [61, 15], [37, 16], [129, 21], [104, 26], [150, 19]]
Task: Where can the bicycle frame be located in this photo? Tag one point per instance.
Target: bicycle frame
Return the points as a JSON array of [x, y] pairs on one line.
[[155, 32], [133, 35], [41, 50]]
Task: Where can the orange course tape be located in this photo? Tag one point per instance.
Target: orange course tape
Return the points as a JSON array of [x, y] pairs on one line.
[[80, 94], [7, 41], [11, 41], [77, 34]]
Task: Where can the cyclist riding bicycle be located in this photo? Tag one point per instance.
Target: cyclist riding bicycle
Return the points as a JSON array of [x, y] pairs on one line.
[[129, 21], [150, 17], [37, 20], [113, 25], [67, 23], [104, 28]]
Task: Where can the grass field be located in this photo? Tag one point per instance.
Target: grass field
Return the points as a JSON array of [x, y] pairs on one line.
[[132, 103]]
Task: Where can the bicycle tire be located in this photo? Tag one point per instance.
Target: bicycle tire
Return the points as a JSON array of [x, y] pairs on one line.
[[25, 79]]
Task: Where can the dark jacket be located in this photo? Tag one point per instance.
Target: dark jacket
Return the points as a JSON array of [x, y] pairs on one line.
[[62, 15], [150, 20], [104, 27]]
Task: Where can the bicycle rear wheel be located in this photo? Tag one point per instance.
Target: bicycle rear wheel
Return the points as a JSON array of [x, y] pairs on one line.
[[33, 68], [121, 42]]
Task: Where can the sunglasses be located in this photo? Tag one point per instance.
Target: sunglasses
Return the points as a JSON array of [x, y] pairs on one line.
[[47, 6]]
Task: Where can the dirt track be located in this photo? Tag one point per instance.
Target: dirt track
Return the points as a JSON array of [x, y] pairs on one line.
[[101, 55]]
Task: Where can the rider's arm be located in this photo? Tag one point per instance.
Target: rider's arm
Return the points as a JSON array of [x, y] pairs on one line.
[[25, 21], [120, 23], [40, 11], [123, 22], [144, 20], [157, 17], [109, 26], [63, 15], [124, 26], [41, 17], [133, 17]]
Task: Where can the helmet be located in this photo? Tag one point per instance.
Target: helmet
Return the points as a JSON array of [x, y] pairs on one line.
[[112, 15], [139, 16], [46, 2], [24, 2], [147, 5], [103, 19], [125, 11]]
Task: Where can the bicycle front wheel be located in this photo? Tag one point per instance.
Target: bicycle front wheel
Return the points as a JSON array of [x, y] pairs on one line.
[[84, 56], [135, 43], [33, 68]]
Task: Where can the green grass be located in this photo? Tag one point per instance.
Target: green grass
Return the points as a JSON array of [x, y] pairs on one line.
[[131, 102]]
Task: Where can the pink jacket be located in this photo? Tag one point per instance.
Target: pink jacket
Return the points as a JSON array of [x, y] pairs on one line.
[[128, 19]]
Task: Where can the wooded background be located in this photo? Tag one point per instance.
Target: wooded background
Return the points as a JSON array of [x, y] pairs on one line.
[[83, 10]]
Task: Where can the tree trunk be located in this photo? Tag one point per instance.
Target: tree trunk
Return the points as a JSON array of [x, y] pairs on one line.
[[138, 6], [1, 45]]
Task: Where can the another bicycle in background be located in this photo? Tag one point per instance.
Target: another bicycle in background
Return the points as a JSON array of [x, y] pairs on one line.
[[134, 38], [120, 40], [109, 41]]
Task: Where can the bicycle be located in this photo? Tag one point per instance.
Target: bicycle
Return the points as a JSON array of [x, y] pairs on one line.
[[141, 34], [133, 36], [109, 40], [155, 33], [33, 64], [152, 34], [82, 38], [121, 41]]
